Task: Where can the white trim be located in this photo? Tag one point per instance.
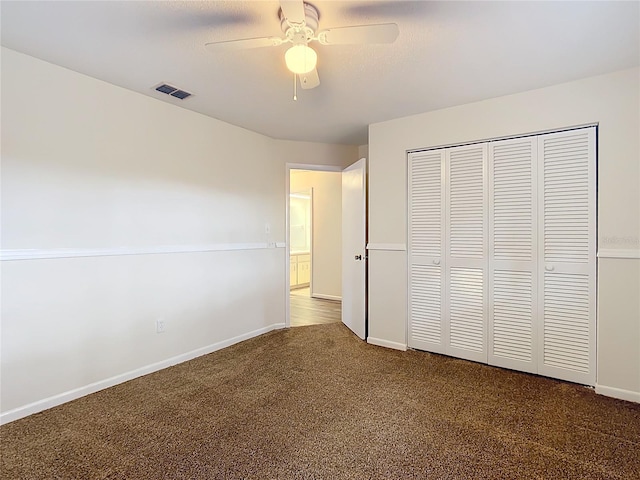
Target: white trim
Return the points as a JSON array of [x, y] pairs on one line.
[[49, 253], [317, 168], [287, 247], [395, 247], [64, 397], [386, 343], [311, 242], [618, 253], [326, 297], [619, 393], [508, 137]]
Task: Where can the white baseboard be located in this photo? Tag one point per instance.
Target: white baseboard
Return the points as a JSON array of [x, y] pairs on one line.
[[619, 393], [64, 397], [386, 343], [326, 297]]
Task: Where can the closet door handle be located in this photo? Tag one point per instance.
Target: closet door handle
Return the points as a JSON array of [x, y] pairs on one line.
[[549, 268], [436, 262]]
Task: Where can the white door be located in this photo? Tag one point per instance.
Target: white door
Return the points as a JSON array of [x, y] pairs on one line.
[[447, 251], [466, 252], [513, 256], [354, 238], [567, 233], [426, 241]]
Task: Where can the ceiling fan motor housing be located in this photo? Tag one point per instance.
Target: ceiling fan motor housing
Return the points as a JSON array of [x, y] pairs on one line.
[[301, 33]]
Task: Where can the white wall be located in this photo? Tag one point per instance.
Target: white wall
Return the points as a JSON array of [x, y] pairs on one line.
[[95, 169], [363, 151], [327, 229], [613, 102], [316, 153]]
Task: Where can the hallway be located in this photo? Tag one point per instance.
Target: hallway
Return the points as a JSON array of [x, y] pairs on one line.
[[312, 311]]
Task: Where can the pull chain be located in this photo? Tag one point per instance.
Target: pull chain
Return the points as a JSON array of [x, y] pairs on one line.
[[295, 88]]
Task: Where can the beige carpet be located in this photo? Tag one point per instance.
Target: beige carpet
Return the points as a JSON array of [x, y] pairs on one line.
[[317, 403]]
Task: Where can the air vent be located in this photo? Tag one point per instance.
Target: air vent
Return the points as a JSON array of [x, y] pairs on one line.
[[173, 91], [181, 94]]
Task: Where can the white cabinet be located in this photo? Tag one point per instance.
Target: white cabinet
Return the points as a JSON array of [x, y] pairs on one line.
[[300, 270], [304, 269], [502, 253]]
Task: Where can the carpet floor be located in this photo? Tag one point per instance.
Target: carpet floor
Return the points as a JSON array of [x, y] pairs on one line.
[[317, 403]]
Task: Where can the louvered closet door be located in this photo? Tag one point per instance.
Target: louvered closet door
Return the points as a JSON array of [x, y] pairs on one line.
[[566, 190], [513, 254], [465, 261], [426, 240]]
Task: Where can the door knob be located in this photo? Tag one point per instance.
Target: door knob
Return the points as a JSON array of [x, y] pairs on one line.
[[358, 257], [549, 268], [436, 262]]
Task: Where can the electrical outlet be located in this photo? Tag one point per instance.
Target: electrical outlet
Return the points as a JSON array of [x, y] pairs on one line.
[[160, 325]]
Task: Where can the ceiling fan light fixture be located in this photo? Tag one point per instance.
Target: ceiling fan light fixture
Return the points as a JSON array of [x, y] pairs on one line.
[[301, 59]]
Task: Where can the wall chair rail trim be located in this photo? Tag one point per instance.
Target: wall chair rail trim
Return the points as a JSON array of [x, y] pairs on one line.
[[394, 247], [8, 255], [618, 253]]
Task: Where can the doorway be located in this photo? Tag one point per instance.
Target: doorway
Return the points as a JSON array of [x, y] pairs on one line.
[[314, 247]]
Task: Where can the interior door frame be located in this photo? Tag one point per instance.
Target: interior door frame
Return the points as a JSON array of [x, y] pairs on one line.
[[287, 256]]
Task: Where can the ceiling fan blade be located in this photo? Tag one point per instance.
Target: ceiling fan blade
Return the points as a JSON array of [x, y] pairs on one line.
[[293, 10], [309, 80], [245, 43], [382, 33]]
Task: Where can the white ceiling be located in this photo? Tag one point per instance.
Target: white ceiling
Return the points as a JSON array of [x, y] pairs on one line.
[[448, 53]]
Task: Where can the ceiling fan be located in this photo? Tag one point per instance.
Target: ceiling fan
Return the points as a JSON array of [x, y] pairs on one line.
[[299, 23]]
